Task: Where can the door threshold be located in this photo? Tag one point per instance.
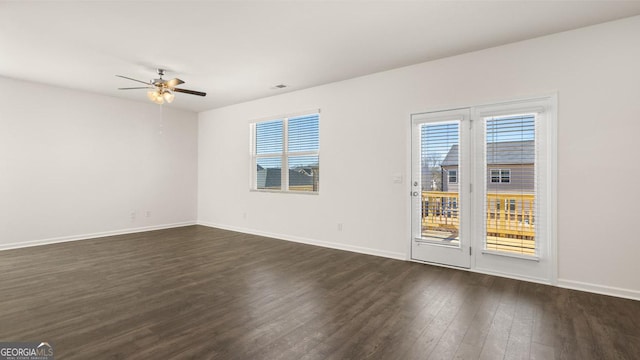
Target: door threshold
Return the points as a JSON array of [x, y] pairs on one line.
[[440, 264]]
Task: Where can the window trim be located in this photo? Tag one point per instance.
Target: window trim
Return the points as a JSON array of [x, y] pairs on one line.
[[284, 155]]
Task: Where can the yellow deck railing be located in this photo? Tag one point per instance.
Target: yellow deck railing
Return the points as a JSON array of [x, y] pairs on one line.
[[508, 215]]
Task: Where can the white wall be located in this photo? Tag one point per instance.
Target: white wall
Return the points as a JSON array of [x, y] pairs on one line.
[[76, 165], [364, 134]]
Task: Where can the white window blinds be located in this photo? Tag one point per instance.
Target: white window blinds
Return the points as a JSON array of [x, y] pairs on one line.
[[511, 185], [291, 143], [440, 169]]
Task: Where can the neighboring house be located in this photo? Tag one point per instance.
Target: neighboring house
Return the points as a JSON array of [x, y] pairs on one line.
[[270, 178], [510, 167]]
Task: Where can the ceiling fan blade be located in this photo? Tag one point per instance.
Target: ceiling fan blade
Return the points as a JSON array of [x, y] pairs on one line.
[[131, 88], [191, 92], [140, 81], [174, 82]]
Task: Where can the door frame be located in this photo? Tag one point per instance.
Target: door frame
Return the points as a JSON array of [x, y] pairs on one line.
[[549, 136]]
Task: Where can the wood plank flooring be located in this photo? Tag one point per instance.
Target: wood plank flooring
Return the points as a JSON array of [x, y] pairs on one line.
[[202, 293]]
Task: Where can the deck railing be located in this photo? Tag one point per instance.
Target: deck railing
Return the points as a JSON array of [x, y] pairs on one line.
[[508, 215]]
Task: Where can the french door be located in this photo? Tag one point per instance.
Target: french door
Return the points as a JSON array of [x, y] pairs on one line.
[[440, 187], [483, 188]]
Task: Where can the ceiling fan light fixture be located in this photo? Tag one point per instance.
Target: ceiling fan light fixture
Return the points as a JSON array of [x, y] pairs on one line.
[[155, 96], [168, 96]]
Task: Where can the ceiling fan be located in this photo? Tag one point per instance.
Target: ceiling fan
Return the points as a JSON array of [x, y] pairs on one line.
[[161, 90]]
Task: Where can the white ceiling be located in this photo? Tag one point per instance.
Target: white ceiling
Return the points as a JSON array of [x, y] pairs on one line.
[[237, 51]]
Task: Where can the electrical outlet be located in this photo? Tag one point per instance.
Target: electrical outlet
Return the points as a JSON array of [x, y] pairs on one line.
[[339, 226], [133, 215], [148, 213]]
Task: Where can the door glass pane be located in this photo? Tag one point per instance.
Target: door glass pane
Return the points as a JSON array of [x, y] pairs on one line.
[[510, 201], [440, 175]]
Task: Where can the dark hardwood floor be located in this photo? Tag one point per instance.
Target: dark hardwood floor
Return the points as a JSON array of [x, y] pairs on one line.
[[203, 293]]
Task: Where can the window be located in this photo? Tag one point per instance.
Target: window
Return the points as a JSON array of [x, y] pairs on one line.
[[500, 175], [505, 176], [495, 176], [290, 143], [453, 176]]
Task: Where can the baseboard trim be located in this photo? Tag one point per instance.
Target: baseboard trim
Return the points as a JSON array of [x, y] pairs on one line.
[[302, 240], [62, 239], [599, 289]]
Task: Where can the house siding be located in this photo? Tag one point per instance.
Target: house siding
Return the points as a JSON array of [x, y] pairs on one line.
[[522, 179]]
